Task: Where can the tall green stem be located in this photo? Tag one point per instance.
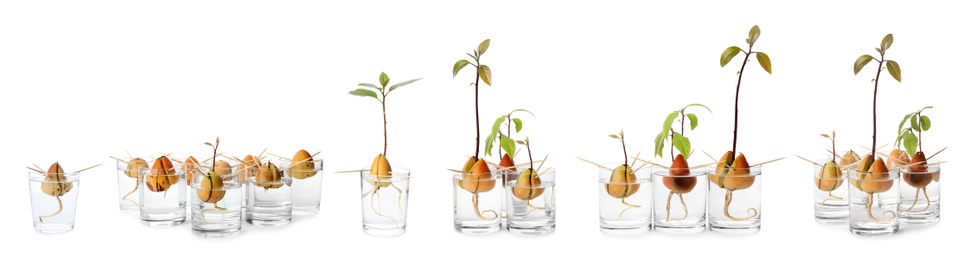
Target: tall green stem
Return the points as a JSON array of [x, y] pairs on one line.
[[735, 129]]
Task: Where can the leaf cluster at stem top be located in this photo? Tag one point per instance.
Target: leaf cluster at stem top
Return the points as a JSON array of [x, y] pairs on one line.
[[677, 138]]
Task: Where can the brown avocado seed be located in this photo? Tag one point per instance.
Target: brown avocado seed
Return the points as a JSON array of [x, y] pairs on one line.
[[268, 176], [162, 175], [681, 185], [877, 178], [380, 172], [211, 188], [478, 179], [248, 167], [897, 158], [134, 166], [223, 169], [528, 185], [829, 178], [918, 164], [303, 166], [623, 182], [849, 158]]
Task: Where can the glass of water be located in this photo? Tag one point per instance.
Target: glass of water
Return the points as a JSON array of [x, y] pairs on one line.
[[54, 199], [269, 202], [306, 186], [129, 173], [384, 202], [216, 206], [162, 197], [873, 202], [626, 203], [532, 203]]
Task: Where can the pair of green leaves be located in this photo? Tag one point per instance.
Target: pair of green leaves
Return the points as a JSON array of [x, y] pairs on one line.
[[505, 141], [906, 135], [761, 57], [893, 68], [679, 141], [383, 90], [484, 72]]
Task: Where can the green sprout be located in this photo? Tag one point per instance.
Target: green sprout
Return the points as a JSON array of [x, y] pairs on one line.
[[381, 97]]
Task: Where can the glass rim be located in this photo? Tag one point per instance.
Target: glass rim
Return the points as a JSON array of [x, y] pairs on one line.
[[284, 180], [124, 166], [892, 175], [44, 174], [317, 165], [494, 177], [929, 170], [693, 171], [398, 174]]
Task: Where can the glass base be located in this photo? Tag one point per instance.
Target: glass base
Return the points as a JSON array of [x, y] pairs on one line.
[[384, 232], [53, 228], [216, 233], [268, 222], [625, 227], [305, 210], [683, 229], [162, 223], [735, 227], [477, 227], [532, 228], [129, 210], [919, 221], [875, 232], [831, 220]]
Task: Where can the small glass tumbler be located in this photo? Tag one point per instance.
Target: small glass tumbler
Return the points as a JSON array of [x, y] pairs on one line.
[[216, 206], [54, 199], [306, 189], [162, 197], [268, 202], [680, 200], [532, 203], [626, 200], [920, 190], [476, 203], [735, 200], [384, 202], [829, 194], [129, 174], [873, 202]]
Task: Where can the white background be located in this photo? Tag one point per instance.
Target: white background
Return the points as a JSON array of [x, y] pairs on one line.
[[83, 80]]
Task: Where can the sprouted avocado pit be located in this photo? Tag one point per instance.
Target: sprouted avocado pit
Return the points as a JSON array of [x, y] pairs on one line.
[[56, 185], [623, 181]]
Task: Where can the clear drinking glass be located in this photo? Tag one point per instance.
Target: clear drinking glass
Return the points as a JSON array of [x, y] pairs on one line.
[[829, 195], [162, 197], [626, 204], [216, 206], [306, 189], [680, 200], [532, 203], [54, 199], [920, 190], [269, 202], [873, 202], [129, 175], [477, 203], [384, 202], [735, 207]]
